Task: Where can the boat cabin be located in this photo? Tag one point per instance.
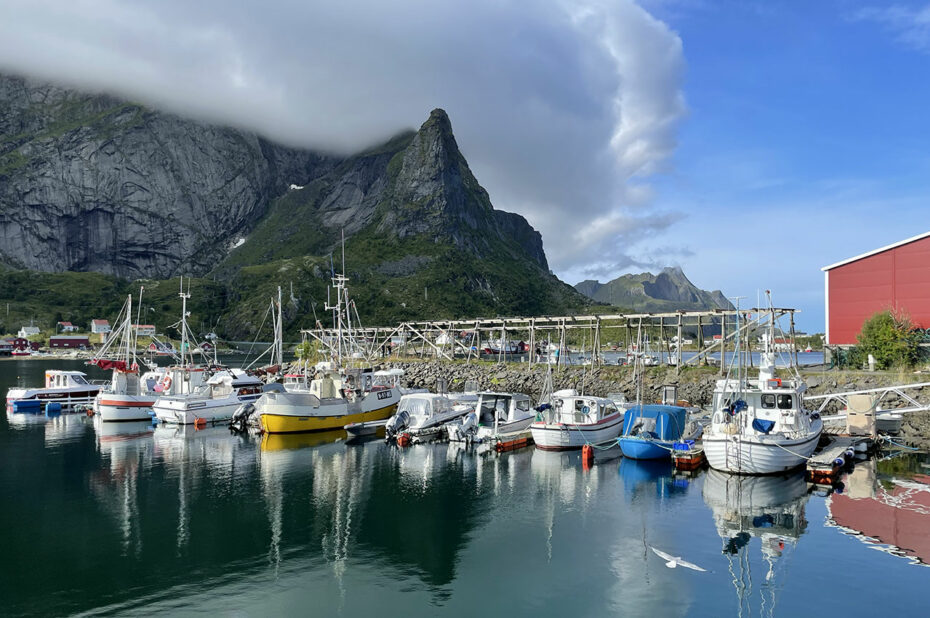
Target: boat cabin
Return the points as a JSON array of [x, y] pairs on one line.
[[387, 378], [55, 378], [503, 407], [572, 409], [768, 400]]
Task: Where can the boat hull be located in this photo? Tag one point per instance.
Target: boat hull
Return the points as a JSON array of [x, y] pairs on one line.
[[123, 408], [485, 433], [288, 423], [184, 412], [284, 412], [638, 448], [67, 399], [563, 437], [747, 455]]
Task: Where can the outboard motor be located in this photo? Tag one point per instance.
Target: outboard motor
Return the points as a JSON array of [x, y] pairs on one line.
[[396, 424], [240, 418], [464, 430]]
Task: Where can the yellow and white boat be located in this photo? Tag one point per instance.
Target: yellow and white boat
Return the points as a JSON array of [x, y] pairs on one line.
[[330, 401]]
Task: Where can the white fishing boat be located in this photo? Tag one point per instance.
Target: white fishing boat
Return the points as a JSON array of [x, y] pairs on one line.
[[129, 396], [422, 412], [760, 426], [571, 420], [215, 400], [66, 388], [495, 414]]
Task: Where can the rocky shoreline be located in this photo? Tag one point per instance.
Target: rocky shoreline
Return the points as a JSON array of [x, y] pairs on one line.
[[695, 384]]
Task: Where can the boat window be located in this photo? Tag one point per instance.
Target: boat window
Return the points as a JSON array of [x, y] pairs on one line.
[[523, 404], [610, 410], [579, 404], [784, 402], [768, 401], [79, 380]]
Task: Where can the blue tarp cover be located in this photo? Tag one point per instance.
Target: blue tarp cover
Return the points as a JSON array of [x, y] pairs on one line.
[[762, 425], [670, 420]]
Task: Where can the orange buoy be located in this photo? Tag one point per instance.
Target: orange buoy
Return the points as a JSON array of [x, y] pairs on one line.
[[587, 455], [200, 423], [90, 411], [403, 439]]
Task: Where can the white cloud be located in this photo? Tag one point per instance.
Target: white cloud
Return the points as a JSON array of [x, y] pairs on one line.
[[910, 25], [563, 109]]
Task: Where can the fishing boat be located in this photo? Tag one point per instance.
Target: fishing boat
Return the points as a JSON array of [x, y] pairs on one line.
[[336, 395], [495, 414], [760, 426], [571, 420], [69, 389], [651, 430], [422, 413], [129, 396], [357, 430]]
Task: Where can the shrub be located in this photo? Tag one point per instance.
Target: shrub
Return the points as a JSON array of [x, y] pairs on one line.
[[890, 338]]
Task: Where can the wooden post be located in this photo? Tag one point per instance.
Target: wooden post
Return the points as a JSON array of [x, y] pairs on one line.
[[794, 347], [597, 342], [532, 341], [700, 340], [678, 349]]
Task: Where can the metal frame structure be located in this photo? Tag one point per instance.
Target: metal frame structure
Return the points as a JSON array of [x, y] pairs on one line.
[[440, 338]]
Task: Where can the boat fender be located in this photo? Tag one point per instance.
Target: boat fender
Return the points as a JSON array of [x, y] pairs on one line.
[[849, 454], [585, 410], [587, 454], [166, 383], [839, 462], [350, 395]]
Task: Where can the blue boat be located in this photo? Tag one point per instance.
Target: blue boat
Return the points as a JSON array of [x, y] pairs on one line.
[[650, 430]]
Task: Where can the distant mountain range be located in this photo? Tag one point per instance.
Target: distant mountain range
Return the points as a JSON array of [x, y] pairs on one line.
[[670, 290]]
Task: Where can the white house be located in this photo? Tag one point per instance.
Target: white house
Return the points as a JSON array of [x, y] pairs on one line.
[[99, 326], [144, 330], [28, 331], [66, 327]]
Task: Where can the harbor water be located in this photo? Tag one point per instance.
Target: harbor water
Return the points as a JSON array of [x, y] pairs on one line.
[[127, 519]]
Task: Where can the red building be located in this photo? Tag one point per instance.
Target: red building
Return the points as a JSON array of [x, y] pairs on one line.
[[68, 341], [896, 278]]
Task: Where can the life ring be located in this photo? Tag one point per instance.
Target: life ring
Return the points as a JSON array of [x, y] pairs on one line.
[[777, 382], [166, 383]]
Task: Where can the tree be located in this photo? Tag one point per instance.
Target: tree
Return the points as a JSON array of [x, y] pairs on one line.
[[890, 338]]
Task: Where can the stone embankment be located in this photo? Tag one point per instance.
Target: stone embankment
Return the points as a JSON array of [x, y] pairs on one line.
[[695, 384]]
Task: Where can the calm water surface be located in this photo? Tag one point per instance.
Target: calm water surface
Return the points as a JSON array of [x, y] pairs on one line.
[[129, 519]]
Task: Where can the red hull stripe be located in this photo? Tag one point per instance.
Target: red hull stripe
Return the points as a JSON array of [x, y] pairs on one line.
[[125, 404]]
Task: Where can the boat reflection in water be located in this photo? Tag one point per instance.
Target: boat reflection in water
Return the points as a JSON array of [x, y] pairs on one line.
[[770, 508], [129, 448], [886, 505]]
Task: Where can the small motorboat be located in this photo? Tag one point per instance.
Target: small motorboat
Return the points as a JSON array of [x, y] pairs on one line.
[[651, 431]]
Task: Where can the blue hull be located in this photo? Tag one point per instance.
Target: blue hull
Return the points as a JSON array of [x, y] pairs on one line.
[[637, 448]]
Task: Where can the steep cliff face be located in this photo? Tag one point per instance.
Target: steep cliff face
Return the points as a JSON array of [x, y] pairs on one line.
[[668, 290], [92, 183]]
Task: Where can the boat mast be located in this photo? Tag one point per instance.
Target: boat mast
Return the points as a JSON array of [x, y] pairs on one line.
[[184, 298]]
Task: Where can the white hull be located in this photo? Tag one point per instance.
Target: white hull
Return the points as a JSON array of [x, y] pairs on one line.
[[564, 436], [511, 427], [752, 455], [122, 408], [183, 411], [67, 399]]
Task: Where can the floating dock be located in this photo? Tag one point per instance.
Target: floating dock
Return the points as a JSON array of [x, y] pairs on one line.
[[513, 441], [827, 462]]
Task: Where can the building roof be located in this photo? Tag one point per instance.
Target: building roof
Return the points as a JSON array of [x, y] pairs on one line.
[[143, 326], [882, 249], [100, 322], [66, 324], [81, 337]]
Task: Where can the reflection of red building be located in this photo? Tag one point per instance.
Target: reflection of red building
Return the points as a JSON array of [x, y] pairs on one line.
[[899, 517]]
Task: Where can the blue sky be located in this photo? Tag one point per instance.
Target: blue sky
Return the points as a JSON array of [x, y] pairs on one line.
[[806, 142]]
